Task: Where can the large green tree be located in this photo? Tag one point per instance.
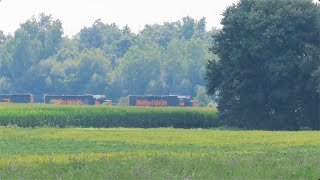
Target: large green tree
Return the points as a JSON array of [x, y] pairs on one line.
[[266, 74]]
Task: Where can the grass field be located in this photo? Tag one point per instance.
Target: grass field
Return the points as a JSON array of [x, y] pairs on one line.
[[166, 153]]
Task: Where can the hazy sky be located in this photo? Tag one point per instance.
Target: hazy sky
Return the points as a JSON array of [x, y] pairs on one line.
[[76, 14]]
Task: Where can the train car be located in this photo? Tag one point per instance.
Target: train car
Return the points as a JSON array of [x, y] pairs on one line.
[[153, 100], [186, 101], [16, 98], [168, 100], [70, 99]]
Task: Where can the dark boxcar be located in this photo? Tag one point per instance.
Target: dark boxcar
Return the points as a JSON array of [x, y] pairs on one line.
[[69, 99], [16, 98], [186, 101], [153, 101]]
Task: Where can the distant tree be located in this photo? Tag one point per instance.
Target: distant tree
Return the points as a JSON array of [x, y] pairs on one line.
[[269, 54], [49, 35], [123, 101], [34, 41], [197, 55], [202, 97], [200, 29], [161, 34], [138, 68], [174, 67], [5, 85], [91, 37], [5, 60], [25, 52], [93, 67], [187, 27], [114, 42], [2, 38]]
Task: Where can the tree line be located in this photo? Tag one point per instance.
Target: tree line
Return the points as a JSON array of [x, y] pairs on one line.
[[105, 59]]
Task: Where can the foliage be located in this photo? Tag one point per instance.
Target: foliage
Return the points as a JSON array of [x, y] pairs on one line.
[[202, 97], [107, 116], [123, 101], [266, 75], [104, 59], [5, 84], [74, 153]]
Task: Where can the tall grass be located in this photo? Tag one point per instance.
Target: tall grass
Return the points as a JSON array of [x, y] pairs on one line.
[[162, 153], [26, 115]]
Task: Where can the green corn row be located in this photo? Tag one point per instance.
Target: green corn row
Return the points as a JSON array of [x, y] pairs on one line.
[[26, 115]]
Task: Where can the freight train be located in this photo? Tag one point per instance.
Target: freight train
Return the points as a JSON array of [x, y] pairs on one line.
[[89, 99]]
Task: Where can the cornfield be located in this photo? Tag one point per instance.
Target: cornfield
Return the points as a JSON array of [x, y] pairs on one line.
[[35, 115]]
